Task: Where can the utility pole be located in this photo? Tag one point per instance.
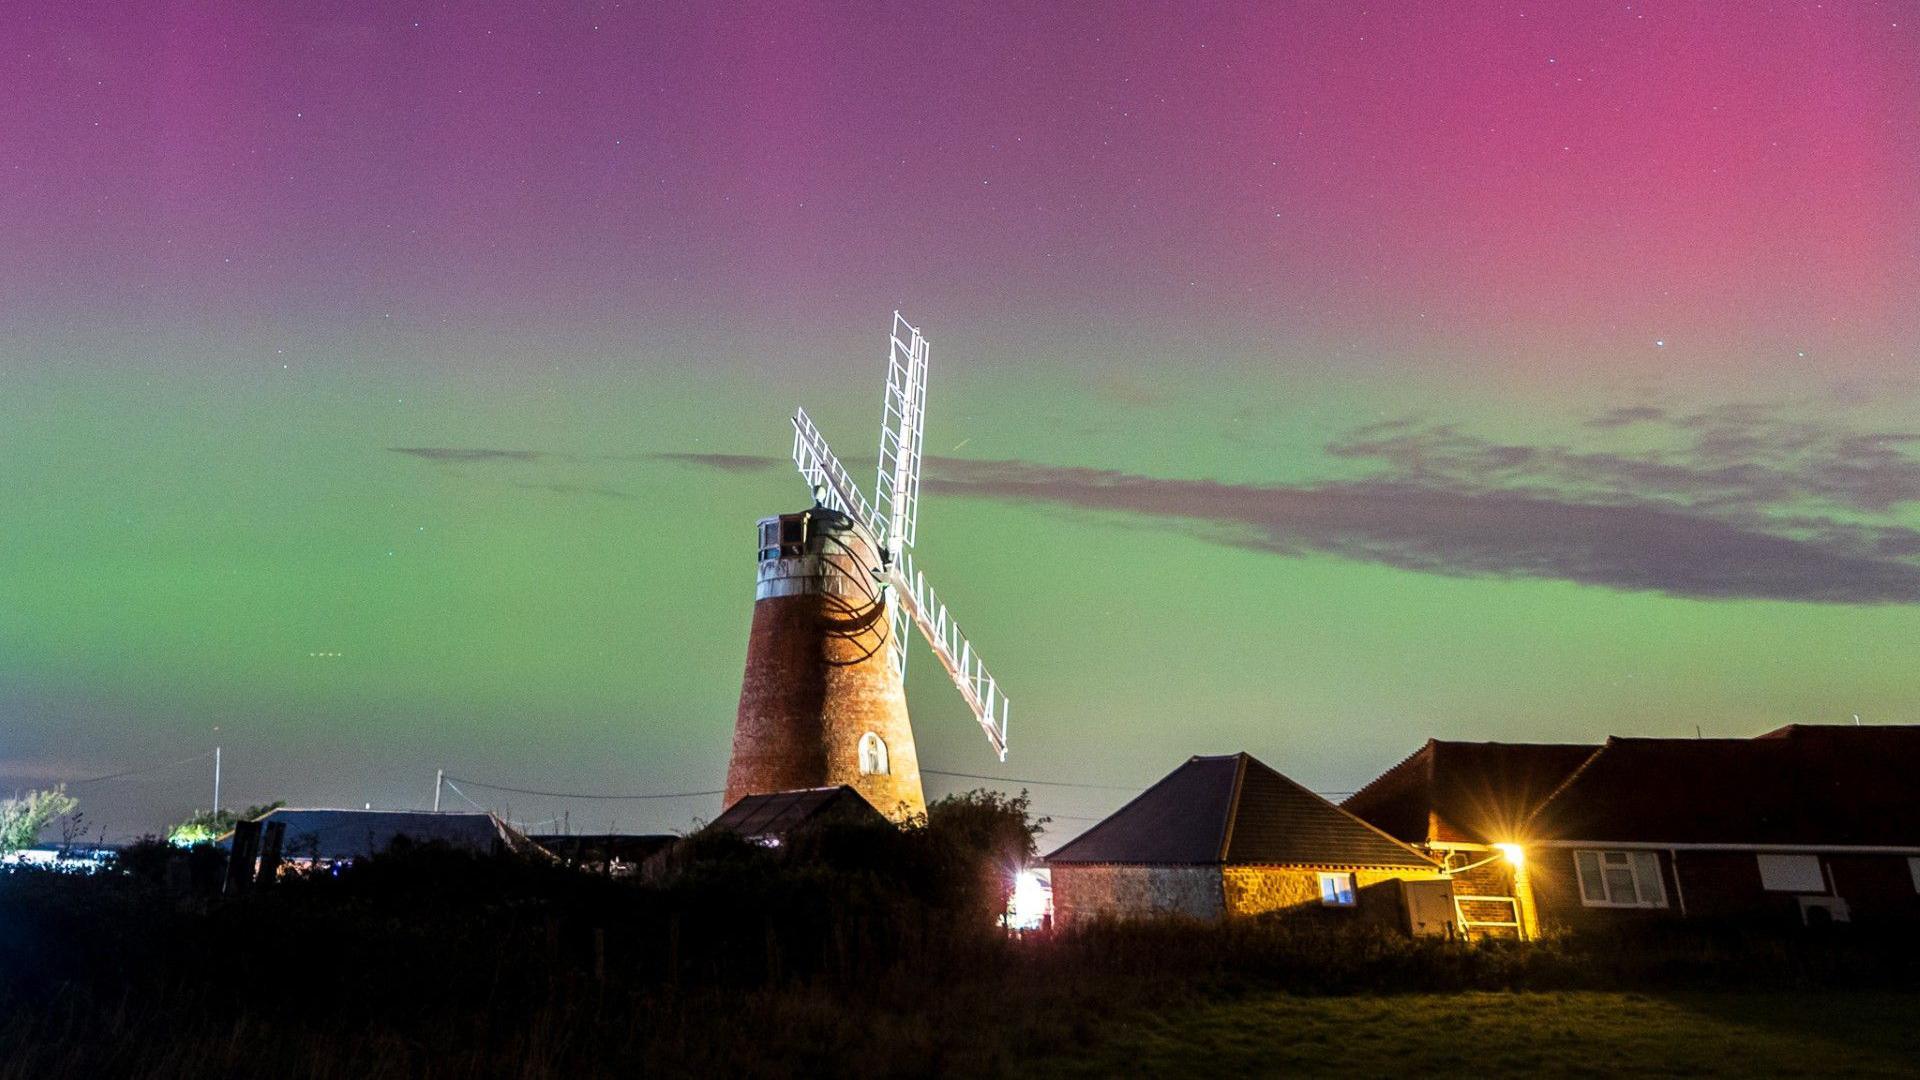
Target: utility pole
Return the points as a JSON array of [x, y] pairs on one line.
[[216, 780], [439, 781]]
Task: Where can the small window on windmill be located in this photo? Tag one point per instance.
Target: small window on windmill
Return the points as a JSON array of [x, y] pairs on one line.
[[873, 755], [770, 541], [793, 536]]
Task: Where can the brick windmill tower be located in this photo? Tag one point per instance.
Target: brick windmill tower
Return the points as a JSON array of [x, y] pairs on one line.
[[824, 702]]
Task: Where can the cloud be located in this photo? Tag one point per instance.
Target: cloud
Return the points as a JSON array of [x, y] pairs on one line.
[[733, 463], [467, 453], [1742, 502], [1739, 459], [563, 488], [1635, 546], [1746, 505], [1627, 415]]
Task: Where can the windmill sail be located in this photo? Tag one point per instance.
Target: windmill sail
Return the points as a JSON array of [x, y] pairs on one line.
[[908, 591], [902, 428], [896, 493]]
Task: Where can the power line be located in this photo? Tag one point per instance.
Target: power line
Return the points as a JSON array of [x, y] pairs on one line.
[[582, 794], [470, 802], [136, 770], [1018, 780]]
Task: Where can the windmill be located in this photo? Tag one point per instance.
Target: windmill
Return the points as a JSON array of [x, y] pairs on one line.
[[823, 701]]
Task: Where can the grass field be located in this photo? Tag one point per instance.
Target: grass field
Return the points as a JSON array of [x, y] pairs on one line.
[[1553, 1034], [873, 958]]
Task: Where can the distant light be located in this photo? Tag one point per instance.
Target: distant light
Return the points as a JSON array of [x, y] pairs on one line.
[[1514, 852], [1660, 343]]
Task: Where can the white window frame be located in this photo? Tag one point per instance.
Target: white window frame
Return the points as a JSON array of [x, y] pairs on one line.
[[1790, 873], [1343, 894], [875, 758], [1649, 887]]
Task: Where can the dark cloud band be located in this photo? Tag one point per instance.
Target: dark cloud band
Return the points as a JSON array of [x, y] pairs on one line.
[[1748, 505]]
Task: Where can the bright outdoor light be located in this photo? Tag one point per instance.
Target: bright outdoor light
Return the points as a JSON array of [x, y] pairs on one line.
[[1029, 902], [1513, 852]]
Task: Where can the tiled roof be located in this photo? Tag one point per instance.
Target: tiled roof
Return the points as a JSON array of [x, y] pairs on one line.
[[1472, 792], [1234, 809], [1802, 784], [780, 812]]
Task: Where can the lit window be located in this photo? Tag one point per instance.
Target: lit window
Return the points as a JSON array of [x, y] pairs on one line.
[[1620, 879], [873, 755], [1336, 890], [1791, 873]]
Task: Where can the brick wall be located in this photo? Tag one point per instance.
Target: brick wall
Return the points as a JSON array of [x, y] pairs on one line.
[[1726, 886], [1556, 893], [1494, 877], [1877, 888], [817, 679]]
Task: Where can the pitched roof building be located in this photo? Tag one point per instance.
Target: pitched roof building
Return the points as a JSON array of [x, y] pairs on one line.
[[1466, 795], [771, 817], [1836, 785], [1804, 823], [1229, 836], [1465, 804]]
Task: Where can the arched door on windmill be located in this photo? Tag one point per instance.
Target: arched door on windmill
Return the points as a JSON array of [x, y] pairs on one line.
[[873, 755]]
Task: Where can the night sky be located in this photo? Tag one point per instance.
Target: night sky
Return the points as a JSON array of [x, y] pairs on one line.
[[392, 387]]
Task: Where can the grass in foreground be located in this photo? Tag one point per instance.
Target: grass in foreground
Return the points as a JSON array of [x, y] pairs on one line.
[[1585, 1033]]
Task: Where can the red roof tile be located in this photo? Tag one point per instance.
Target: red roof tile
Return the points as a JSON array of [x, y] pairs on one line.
[[1802, 784], [1234, 809], [1466, 792]]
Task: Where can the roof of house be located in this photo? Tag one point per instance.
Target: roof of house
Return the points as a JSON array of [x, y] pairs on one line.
[[1234, 809], [1802, 784], [346, 834], [1466, 792], [780, 812]]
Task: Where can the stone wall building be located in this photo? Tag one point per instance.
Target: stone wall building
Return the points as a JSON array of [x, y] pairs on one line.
[[1229, 836]]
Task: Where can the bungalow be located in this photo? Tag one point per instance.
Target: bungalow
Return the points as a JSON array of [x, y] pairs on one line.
[[1229, 836], [1465, 805], [1805, 825]]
